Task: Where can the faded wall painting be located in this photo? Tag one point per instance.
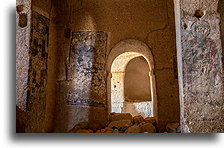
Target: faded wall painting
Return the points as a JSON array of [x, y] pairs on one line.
[[37, 74], [86, 69], [201, 58]]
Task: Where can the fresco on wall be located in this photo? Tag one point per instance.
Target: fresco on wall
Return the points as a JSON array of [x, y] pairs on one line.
[[37, 77], [202, 67], [86, 69]]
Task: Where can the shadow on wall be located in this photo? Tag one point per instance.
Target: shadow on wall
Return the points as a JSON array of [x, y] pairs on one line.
[[221, 12], [20, 120]]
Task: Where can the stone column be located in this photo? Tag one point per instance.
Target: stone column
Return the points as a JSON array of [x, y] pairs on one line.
[[153, 93], [37, 75], [117, 91], [23, 19], [82, 93], [200, 66]]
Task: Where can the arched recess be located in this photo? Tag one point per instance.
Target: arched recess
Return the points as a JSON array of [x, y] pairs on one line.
[[117, 61]]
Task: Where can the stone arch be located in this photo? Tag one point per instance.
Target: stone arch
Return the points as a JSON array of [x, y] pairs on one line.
[[120, 55]]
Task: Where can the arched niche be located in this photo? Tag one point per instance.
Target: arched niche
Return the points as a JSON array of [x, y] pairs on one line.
[[117, 61]]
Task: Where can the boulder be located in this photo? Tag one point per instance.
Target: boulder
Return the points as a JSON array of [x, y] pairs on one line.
[[172, 127], [116, 131], [148, 128], [102, 130], [140, 124], [82, 125], [75, 129], [121, 125], [178, 129], [151, 120], [138, 119], [120, 116], [108, 130], [96, 124], [133, 129]]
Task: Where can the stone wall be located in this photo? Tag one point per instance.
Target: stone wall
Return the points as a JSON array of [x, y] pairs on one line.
[[202, 96]]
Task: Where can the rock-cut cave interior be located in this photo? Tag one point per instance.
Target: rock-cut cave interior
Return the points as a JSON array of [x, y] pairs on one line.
[[119, 66]]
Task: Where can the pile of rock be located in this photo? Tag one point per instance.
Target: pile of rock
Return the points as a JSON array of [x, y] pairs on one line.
[[121, 123]]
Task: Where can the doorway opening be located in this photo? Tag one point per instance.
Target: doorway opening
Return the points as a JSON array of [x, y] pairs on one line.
[[125, 94]]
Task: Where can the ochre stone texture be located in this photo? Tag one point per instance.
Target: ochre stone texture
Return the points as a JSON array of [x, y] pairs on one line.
[[54, 37], [151, 22], [202, 105]]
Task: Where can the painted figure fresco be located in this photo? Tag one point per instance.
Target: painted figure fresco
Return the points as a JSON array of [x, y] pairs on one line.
[[200, 57]]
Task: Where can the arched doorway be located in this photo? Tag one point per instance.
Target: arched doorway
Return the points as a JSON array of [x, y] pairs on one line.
[[118, 59]]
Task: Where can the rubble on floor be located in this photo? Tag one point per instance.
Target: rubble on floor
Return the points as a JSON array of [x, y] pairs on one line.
[[125, 123]]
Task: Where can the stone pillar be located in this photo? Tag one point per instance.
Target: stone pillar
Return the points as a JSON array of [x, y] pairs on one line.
[[153, 93], [82, 92], [37, 75], [23, 18], [117, 90], [200, 66]]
